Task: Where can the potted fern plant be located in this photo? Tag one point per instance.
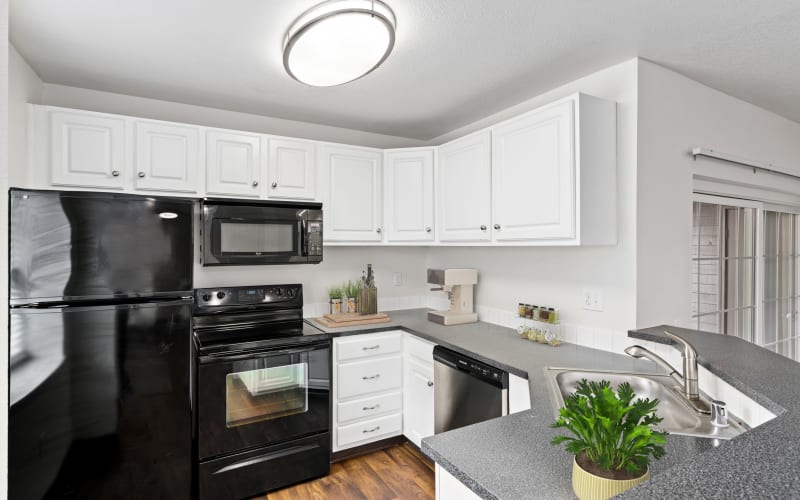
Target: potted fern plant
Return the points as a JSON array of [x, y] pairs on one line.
[[611, 438]]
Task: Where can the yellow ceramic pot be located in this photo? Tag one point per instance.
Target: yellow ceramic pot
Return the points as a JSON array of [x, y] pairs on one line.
[[587, 486]]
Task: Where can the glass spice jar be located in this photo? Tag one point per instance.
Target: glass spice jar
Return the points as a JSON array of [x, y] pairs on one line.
[[521, 310], [544, 315]]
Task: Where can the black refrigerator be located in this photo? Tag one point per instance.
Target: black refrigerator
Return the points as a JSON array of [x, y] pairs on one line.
[[99, 344]]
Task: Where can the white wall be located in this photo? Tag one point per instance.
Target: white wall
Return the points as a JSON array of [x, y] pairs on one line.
[[676, 114], [25, 87], [557, 276], [339, 264], [4, 157], [107, 102]]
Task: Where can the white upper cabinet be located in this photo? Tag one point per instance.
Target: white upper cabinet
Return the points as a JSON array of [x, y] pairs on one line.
[[233, 163], [463, 189], [87, 150], [352, 198], [533, 175], [554, 174], [292, 169], [408, 195], [166, 156]]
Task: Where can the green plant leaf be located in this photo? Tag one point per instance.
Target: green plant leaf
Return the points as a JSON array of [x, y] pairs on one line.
[[612, 428]]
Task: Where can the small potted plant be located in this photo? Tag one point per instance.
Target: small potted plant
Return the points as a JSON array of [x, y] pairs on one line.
[[351, 292], [335, 294], [611, 438]]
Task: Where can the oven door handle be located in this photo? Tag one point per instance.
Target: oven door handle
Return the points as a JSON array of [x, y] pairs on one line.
[[261, 354]]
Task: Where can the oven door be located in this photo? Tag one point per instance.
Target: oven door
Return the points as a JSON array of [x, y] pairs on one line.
[[253, 235], [259, 398]]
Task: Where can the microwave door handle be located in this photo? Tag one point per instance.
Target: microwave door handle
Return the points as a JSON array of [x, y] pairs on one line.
[[303, 237]]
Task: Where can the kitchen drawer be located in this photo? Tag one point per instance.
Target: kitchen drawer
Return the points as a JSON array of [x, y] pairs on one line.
[[373, 344], [368, 376], [419, 348], [368, 407], [369, 430]]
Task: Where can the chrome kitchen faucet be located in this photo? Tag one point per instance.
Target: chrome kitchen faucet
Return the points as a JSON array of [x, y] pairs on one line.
[[688, 380]]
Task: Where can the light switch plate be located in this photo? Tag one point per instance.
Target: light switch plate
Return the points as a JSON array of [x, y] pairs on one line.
[[593, 300], [397, 279]]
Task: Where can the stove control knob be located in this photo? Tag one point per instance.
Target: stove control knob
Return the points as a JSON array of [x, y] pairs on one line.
[[220, 295], [279, 291], [206, 297]]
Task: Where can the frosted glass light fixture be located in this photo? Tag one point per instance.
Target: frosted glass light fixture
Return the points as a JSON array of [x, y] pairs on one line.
[[338, 41]]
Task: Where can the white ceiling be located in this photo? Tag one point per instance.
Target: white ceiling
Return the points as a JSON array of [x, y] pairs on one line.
[[454, 62]]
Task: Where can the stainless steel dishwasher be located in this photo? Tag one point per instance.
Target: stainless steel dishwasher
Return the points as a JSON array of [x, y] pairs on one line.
[[466, 391]]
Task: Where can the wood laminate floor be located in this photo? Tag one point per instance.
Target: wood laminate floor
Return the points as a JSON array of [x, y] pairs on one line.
[[399, 472]]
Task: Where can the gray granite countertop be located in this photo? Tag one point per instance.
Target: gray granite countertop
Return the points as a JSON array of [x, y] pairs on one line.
[[511, 457]]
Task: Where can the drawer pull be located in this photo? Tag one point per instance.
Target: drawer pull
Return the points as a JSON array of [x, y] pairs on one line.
[[367, 431], [430, 383], [373, 407], [371, 348], [371, 377]]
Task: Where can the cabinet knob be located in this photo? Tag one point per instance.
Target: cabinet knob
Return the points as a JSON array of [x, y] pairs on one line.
[[378, 230], [427, 229], [483, 227], [255, 183], [115, 173], [430, 383], [497, 227], [274, 185], [141, 175]]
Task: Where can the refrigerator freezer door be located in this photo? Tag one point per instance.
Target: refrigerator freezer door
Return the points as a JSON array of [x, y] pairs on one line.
[[100, 404], [71, 246]]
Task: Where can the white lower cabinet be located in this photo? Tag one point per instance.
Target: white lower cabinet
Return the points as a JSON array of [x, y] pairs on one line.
[[383, 386], [450, 488], [366, 431], [369, 375], [417, 389], [367, 388], [369, 407]]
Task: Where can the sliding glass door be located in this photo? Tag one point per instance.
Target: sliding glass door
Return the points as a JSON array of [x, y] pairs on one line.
[[746, 273], [781, 299]]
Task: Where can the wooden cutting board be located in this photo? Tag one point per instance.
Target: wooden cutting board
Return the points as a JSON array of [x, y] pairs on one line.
[[352, 319]]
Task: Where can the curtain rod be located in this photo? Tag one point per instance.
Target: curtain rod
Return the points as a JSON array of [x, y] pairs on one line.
[[755, 165]]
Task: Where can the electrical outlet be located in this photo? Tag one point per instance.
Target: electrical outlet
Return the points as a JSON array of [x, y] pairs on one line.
[[593, 300], [397, 279]]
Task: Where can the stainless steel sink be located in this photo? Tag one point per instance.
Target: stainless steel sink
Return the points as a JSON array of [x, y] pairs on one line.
[[679, 417]]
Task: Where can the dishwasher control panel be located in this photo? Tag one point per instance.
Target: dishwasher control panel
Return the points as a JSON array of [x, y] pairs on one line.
[[471, 366]]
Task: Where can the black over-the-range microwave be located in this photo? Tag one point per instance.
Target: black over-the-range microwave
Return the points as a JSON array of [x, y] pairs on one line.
[[244, 232]]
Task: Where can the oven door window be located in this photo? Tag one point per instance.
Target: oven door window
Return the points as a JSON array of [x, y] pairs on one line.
[[265, 392], [257, 238]]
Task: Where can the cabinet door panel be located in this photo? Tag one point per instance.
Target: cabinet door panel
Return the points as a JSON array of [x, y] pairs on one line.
[[533, 175], [167, 157], [87, 150], [417, 401], [291, 169], [408, 192], [464, 189], [353, 199], [233, 164]]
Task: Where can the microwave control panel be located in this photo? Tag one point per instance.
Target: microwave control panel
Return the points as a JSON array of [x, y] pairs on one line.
[[315, 239]]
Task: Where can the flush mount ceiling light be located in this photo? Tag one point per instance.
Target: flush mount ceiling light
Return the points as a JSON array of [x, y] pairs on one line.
[[338, 41]]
